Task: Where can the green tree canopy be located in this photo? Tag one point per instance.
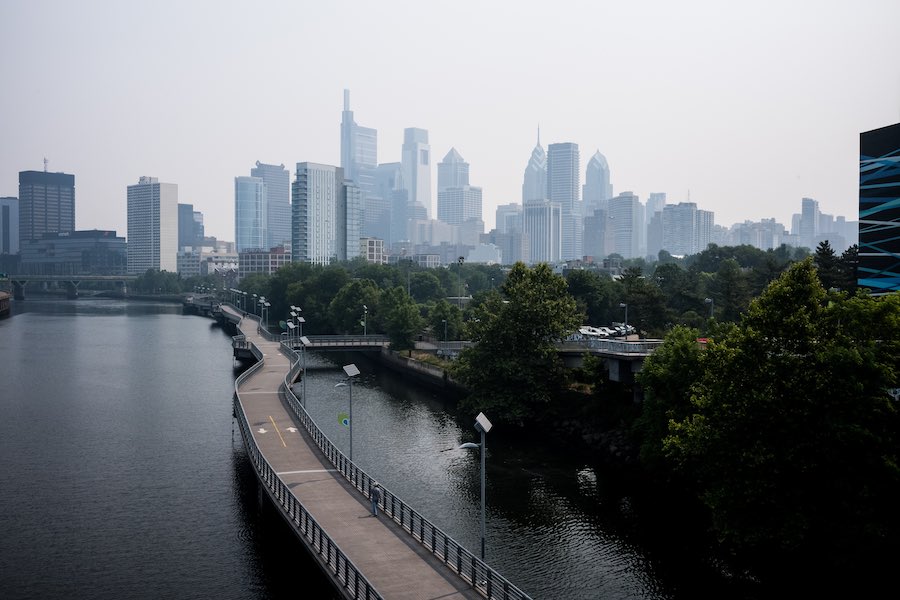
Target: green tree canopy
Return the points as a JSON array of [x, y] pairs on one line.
[[514, 370]]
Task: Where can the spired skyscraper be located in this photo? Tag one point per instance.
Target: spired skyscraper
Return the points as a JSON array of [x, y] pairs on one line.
[[359, 150], [563, 166], [534, 184], [277, 192], [46, 204], [457, 201], [597, 189], [152, 226], [416, 161]]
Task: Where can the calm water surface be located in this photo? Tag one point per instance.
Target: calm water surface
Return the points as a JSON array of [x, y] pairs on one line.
[[121, 475]]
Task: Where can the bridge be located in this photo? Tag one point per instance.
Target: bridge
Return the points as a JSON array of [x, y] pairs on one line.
[[71, 282], [322, 495]]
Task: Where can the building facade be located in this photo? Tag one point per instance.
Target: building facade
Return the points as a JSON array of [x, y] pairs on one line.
[[92, 252], [416, 162], [46, 204], [563, 174], [250, 213], [542, 223], [326, 215], [597, 189], [9, 225], [264, 261], [534, 182], [152, 226], [879, 209], [626, 216], [277, 193]]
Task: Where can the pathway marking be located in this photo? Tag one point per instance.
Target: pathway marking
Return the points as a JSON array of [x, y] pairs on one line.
[[261, 430], [277, 431], [292, 429], [306, 471]]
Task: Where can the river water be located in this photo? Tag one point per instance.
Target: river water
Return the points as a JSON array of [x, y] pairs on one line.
[[121, 475]]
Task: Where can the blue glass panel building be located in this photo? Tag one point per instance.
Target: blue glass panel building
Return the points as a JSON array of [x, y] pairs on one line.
[[879, 209]]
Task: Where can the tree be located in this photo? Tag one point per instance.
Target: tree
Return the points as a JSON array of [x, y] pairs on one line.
[[444, 311], [514, 369], [828, 265], [732, 290], [401, 319], [793, 439], [346, 310]]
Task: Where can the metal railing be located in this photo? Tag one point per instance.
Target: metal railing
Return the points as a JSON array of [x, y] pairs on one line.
[[488, 582], [613, 346], [346, 340], [329, 554]]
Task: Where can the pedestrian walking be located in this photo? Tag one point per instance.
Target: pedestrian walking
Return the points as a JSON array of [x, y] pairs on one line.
[[375, 497]]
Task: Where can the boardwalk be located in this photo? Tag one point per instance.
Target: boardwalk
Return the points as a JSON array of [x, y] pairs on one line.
[[395, 564]]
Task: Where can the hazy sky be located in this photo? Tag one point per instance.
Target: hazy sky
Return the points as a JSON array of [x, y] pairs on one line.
[[750, 106]]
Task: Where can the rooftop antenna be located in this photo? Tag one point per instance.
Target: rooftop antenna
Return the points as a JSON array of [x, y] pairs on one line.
[[45, 164]]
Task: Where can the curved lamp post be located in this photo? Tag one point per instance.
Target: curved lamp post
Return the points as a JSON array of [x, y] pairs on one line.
[[625, 306], [483, 425], [365, 320], [352, 371], [712, 306]]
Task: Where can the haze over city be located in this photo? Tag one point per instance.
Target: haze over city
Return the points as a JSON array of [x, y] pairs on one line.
[[748, 108]]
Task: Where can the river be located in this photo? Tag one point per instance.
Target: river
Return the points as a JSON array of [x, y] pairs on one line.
[[122, 475]]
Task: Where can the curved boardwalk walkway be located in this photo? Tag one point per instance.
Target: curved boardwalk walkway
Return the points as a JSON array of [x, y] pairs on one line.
[[396, 565]]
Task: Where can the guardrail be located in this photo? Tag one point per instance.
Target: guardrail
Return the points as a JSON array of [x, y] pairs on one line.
[[347, 340], [613, 346], [326, 550], [488, 582]]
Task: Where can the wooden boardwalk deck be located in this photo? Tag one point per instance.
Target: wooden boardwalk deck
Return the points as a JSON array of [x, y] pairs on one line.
[[394, 563]]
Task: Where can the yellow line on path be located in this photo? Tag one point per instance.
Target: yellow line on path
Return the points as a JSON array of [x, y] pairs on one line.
[[277, 431]]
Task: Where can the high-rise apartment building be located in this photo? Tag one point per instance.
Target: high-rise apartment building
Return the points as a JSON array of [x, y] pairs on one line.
[[686, 229], [325, 215], [152, 226], [9, 225], [185, 226], [563, 168], [250, 215], [46, 204], [626, 216], [416, 162], [277, 193], [809, 223], [457, 201], [879, 210], [534, 183], [597, 189]]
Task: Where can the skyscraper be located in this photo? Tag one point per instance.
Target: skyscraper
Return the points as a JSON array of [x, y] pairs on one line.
[[250, 215], [416, 161], [597, 188], [809, 222], [359, 149], [46, 204], [277, 192], [457, 201], [325, 215], [152, 226], [9, 225], [626, 219], [185, 226], [563, 166], [389, 219], [534, 183], [543, 231], [879, 209]]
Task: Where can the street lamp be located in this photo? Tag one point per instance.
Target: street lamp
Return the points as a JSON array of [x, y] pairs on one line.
[[712, 306], [483, 425], [265, 313], [625, 306], [304, 341], [352, 371], [460, 260], [365, 320], [445, 337]]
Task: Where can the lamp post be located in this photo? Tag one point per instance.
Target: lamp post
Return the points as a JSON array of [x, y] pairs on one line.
[[460, 260], [483, 425], [265, 314], [304, 341], [625, 306], [352, 371], [254, 303], [445, 337], [365, 320], [712, 306]]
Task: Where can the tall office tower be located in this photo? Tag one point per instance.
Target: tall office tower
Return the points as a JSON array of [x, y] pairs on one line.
[[199, 230], [9, 225], [416, 161], [597, 189], [508, 218], [679, 228], [457, 201], [597, 238], [359, 149], [879, 210], [388, 219], [543, 231], [655, 203], [277, 192], [185, 225], [152, 226], [626, 214], [250, 215], [809, 223], [325, 215], [563, 166], [46, 204], [653, 218], [534, 184]]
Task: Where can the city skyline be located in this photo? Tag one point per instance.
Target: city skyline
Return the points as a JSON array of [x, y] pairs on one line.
[[747, 110]]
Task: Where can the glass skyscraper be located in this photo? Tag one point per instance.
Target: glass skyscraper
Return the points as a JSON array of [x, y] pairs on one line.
[[250, 214]]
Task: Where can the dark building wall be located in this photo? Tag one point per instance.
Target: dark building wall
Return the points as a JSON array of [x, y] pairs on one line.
[[879, 209], [46, 204]]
